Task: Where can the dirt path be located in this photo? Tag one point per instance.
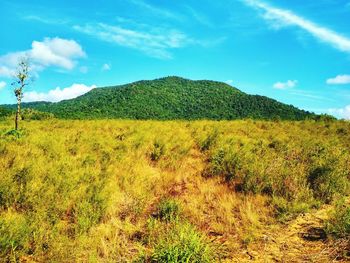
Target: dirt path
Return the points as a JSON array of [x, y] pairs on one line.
[[301, 240]]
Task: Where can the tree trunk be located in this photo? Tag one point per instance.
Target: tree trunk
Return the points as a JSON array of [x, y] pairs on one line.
[[18, 112]]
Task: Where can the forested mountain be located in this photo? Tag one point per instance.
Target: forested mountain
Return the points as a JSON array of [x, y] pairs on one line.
[[170, 98], [4, 112]]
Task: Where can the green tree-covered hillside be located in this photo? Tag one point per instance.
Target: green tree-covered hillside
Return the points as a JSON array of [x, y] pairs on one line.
[[171, 98]]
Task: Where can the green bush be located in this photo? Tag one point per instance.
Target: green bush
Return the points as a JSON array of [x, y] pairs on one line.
[[286, 210], [339, 223], [208, 141], [325, 118], [14, 133], [31, 114], [326, 183], [223, 163], [157, 151], [184, 244], [168, 210]]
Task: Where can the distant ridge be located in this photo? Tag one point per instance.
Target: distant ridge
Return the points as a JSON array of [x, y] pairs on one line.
[[170, 98]]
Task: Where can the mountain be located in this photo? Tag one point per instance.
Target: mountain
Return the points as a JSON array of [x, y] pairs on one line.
[[171, 98]]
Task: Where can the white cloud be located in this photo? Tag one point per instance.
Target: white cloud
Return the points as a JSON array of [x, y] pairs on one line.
[[106, 67], [285, 85], [155, 42], [2, 84], [6, 72], [229, 82], [84, 69], [342, 112], [56, 52], [338, 80], [283, 17], [58, 94]]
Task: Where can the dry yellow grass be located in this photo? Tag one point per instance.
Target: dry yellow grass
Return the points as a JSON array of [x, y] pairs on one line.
[[89, 191]]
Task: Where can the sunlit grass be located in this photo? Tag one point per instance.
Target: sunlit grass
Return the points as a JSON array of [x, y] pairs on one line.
[[118, 191]]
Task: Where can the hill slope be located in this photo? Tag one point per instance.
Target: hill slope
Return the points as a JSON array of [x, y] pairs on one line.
[[171, 98]]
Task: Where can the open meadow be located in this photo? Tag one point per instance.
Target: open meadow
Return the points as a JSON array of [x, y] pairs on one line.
[[148, 131], [174, 191]]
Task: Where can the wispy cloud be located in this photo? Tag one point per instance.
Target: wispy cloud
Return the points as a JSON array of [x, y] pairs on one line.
[[45, 20], [310, 95], [56, 52], [339, 80], [285, 85], [153, 41], [156, 10], [58, 94], [199, 17], [283, 17], [84, 69], [2, 84], [106, 67]]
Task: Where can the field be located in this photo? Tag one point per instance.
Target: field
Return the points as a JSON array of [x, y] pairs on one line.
[[174, 191]]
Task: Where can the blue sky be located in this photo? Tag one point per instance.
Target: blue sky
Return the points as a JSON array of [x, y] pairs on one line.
[[297, 52]]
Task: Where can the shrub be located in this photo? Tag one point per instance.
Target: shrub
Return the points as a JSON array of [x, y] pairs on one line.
[[168, 210], [325, 118], [256, 183], [286, 210], [342, 131], [16, 134], [223, 163], [216, 162], [157, 151], [183, 244], [30, 114], [209, 140], [339, 223], [326, 183]]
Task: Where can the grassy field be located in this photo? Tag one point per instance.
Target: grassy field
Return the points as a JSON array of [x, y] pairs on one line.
[[147, 191]]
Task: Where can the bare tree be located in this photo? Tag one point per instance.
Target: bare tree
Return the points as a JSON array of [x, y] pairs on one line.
[[22, 79]]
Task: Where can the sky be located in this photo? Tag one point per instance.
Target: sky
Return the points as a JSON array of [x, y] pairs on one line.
[[297, 52]]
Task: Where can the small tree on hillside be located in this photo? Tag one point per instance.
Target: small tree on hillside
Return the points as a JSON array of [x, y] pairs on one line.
[[22, 79]]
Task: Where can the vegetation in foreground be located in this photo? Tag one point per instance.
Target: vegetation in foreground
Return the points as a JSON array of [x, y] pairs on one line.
[[147, 191]]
